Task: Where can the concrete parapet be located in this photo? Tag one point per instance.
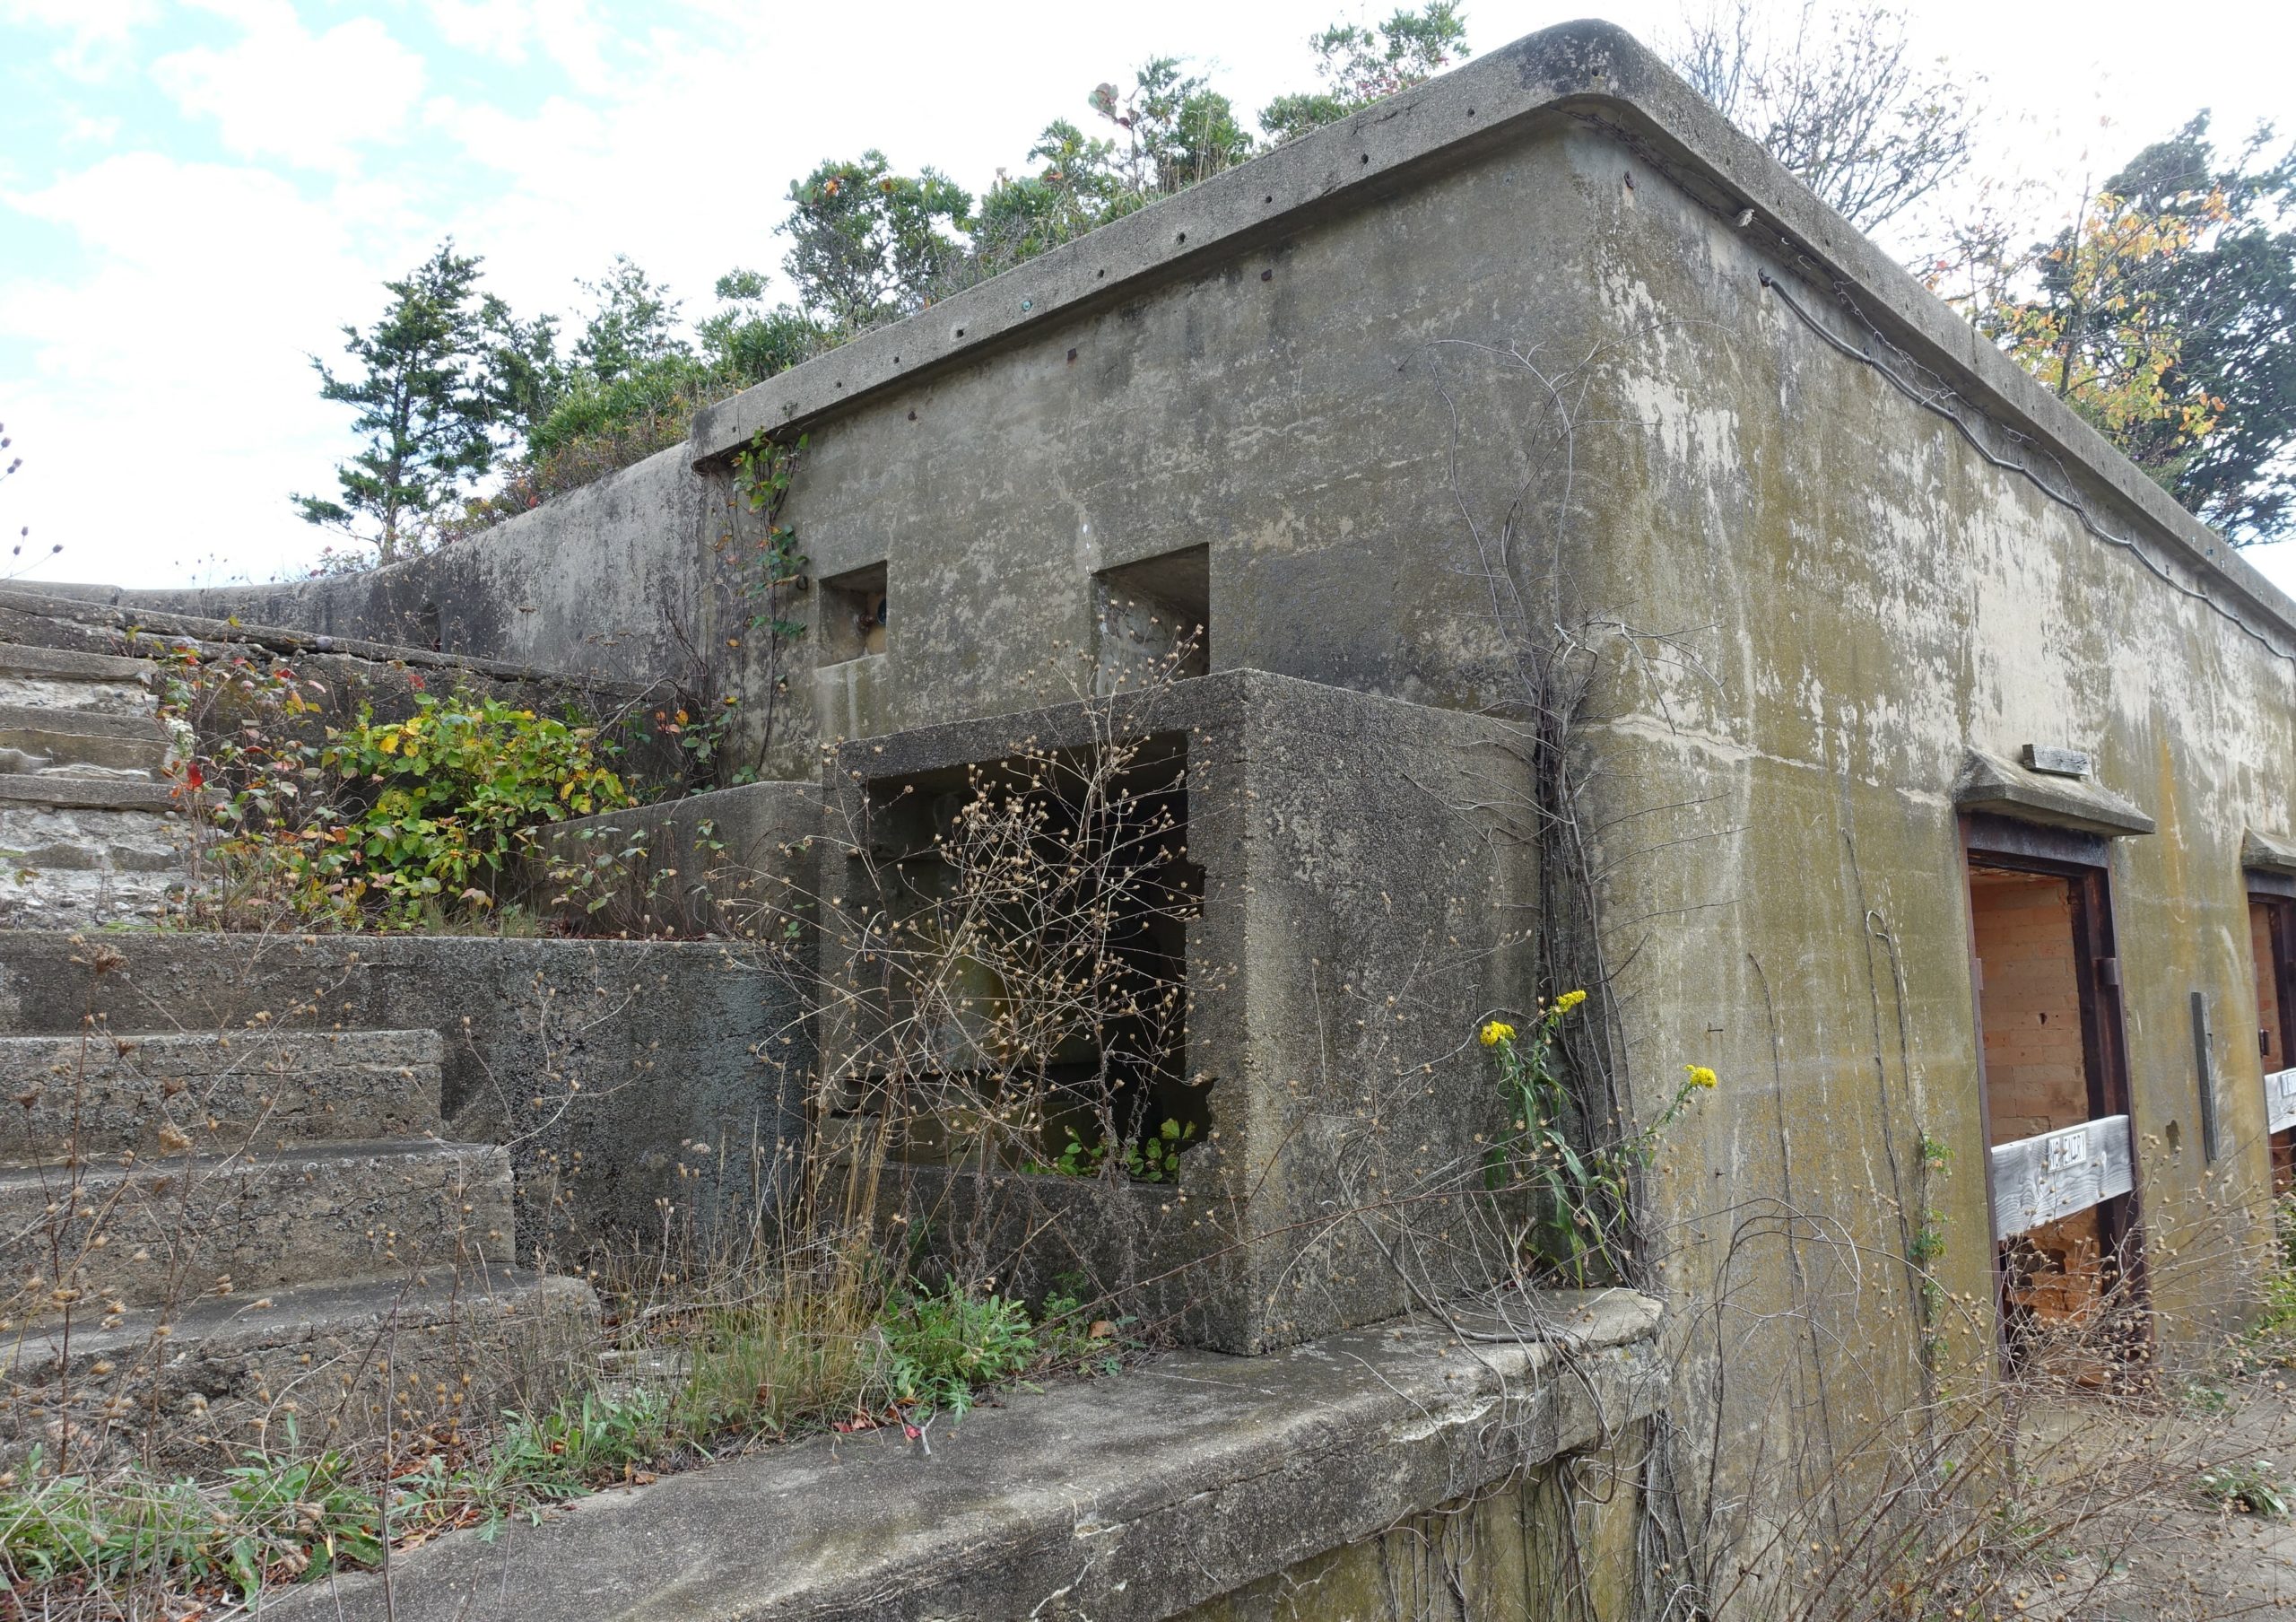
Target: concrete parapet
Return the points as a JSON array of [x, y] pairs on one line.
[[1140, 1496], [694, 866]]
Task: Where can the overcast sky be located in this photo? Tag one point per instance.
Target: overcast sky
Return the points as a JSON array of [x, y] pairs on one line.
[[194, 197]]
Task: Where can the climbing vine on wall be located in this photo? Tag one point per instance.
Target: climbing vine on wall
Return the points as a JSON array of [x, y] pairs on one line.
[[769, 573]]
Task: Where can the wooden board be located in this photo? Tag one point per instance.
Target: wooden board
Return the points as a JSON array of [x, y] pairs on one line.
[[2039, 1179], [2280, 1101]]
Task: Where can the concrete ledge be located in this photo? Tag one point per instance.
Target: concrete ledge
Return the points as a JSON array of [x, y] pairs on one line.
[[2268, 852], [1989, 783], [1118, 1500]]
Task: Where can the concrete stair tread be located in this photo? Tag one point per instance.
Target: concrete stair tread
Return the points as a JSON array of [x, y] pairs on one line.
[[90, 793], [81, 723], [70, 664], [259, 1089], [43, 1174], [278, 1316], [337, 1361], [186, 1226]]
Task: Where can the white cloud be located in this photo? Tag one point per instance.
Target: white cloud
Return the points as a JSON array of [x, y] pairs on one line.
[[283, 91], [571, 34], [86, 21], [97, 32], [170, 406], [496, 28]]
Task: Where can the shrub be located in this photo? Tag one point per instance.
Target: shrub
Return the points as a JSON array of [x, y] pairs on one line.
[[404, 824]]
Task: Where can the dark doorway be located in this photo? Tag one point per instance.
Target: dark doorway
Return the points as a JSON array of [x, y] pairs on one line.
[[2056, 1102], [2272, 942]]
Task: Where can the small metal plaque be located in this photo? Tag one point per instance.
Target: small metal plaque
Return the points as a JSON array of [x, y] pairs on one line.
[[2057, 763], [2280, 1101]]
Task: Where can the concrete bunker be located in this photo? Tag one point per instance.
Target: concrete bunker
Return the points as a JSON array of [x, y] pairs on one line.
[[1351, 890]]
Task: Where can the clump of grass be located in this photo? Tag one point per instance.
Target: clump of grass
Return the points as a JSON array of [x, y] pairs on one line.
[[2270, 1341], [267, 1520], [795, 1353], [941, 1348], [538, 1460], [2248, 1485]]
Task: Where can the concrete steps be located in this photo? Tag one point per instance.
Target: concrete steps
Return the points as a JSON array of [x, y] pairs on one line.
[[193, 1226], [90, 831], [337, 1362], [198, 1231], [106, 1096], [35, 677], [51, 742]]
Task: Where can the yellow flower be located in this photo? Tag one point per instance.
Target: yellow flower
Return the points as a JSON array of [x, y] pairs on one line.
[[1699, 1076], [1569, 1000], [1497, 1032]]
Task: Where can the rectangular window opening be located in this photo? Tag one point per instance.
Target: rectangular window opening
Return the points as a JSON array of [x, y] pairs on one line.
[[853, 618], [1034, 974], [1154, 620]]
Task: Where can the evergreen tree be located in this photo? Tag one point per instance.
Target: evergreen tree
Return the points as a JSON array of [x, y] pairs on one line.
[[867, 245], [1359, 66], [2231, 300], [633, 327], [422, 393], [525, 378]]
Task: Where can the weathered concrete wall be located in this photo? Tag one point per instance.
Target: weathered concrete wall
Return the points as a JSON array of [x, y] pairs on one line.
[[600, 1063], [1280, 405], [1851, 597], [711, 863], [607, 581], [1560, 1541]]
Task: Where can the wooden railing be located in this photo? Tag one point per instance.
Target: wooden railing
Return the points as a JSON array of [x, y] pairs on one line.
[[2057, 1175]]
